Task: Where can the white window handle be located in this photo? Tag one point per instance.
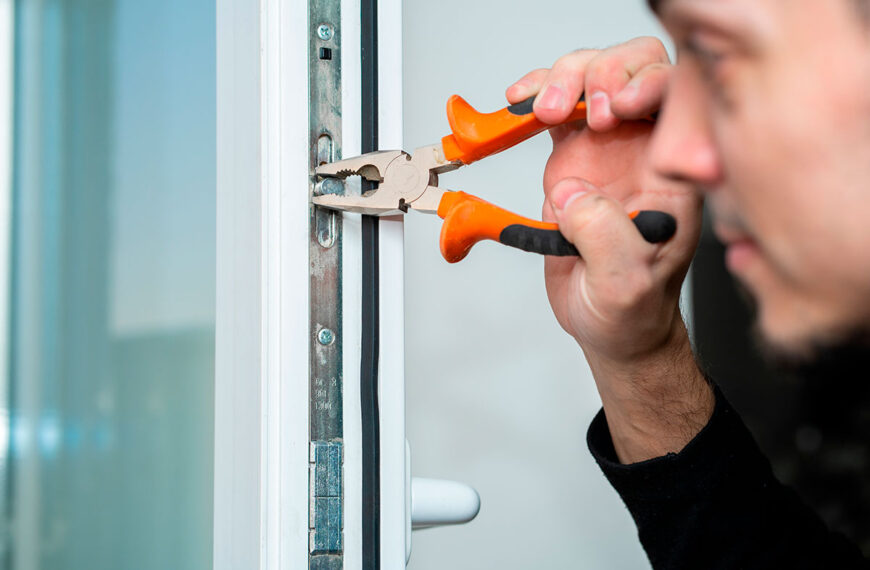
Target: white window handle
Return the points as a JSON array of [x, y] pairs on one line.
[[436, 502]]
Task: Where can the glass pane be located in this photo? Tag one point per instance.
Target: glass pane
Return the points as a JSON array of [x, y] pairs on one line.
[[113, 286]]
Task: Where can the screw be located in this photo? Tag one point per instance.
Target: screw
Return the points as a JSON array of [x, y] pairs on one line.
[[324, 32], [325, 337]]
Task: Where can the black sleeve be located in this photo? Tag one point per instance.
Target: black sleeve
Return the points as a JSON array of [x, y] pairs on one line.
[[717, 504]]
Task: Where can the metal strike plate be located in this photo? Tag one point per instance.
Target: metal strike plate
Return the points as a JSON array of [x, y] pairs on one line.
[[325, 252]]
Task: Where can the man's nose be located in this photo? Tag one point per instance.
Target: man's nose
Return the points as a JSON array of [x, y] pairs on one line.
[[682, 145]]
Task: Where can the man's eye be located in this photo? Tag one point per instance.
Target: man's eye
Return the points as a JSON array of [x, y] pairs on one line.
[[707, 58], [713, 66]]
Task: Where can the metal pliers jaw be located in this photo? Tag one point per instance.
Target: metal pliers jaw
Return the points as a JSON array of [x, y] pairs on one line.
[[404, 181]]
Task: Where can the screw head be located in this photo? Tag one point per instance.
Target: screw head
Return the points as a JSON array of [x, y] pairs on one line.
[[324, 32], [325, 336]]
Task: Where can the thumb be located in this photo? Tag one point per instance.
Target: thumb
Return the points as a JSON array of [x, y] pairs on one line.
[[599, 228]]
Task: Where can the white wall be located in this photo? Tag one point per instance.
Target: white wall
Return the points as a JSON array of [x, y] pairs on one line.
[[497, 394]]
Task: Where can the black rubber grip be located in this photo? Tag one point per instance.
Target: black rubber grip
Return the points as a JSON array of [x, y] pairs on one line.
[[655, 227], [525, 107], [536, 240]]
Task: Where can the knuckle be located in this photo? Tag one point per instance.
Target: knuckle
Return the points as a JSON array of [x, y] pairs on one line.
[[604, 70], [659, 67], [603, 205], [600, 206], [592, 210], [574, 61], [651, 46], [529, 83], [651, 43], [536, 74], [655, 76]]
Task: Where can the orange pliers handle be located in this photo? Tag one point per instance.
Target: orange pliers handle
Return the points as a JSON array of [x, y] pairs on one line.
[[468, 220], [477, 135]]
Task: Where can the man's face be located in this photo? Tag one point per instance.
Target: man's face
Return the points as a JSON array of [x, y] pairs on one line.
[[768, 114]]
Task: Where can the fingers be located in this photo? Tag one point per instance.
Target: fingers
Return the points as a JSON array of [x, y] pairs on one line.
[[612, 72], [562, 87], [626, 81], [609, 243], [526, 86], [644, 93]]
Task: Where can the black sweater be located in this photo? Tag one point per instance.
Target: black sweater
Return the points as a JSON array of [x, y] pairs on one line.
[[717, 504]]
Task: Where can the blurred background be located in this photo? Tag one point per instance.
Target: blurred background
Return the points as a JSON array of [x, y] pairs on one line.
[[111, 320], [106, 423]]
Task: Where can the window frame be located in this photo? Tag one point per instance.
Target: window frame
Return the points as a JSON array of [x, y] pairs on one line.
[[261, 484]]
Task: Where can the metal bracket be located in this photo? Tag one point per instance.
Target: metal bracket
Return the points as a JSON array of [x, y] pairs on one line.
[[325, 302], [325, 508]]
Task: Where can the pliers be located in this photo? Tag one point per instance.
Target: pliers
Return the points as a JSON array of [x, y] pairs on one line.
[[411, 182]]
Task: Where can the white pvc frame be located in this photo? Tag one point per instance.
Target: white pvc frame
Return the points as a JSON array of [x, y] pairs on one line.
[[261, 368], [261, 348]]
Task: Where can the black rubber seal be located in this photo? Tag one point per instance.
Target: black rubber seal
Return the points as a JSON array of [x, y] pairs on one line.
[[370, 341]]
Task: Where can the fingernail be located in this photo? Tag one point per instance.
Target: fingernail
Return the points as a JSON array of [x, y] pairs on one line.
[[552, 98], [599, 107], [565, 192]]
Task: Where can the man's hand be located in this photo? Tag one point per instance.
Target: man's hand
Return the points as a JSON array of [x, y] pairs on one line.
[[620, 300]]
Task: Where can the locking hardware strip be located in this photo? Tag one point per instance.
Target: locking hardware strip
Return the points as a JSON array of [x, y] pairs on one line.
[[325, 299]]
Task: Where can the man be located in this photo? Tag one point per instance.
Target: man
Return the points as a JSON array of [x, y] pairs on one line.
[[767, 116]]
